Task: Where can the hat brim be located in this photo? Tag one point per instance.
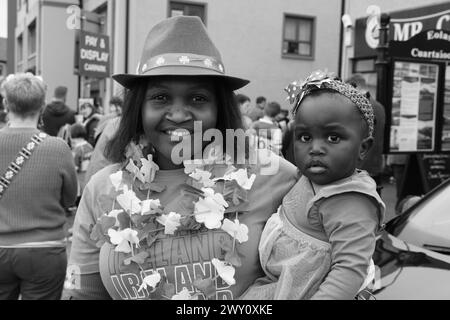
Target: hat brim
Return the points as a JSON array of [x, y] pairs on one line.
[[128, 80]]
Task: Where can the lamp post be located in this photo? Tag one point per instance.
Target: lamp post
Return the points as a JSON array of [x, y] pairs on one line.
[[382, 62], [382, 68]]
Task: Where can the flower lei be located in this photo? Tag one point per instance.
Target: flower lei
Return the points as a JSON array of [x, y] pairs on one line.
[[297, 91], [130, 223]]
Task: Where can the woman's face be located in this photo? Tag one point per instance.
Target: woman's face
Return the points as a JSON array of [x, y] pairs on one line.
[[168, 114], [86, 110]]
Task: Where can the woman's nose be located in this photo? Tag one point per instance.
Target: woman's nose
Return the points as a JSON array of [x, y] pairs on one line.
[[178, 112]]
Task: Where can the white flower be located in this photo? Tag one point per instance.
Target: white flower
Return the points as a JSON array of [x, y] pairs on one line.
[[20, 160], [116, 179], [149, 206], [113, 214], [203, 177], [170, 221], [226, 272], [149, 168], [31, 146], [183, 295], [123, 238], [236, 230], [191, 165], [133, 169], [241, 178], [151, 280], [9, 175], [210, 209], [129, 201]]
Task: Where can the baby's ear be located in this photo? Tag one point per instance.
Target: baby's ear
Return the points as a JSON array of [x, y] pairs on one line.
[[364, 148]]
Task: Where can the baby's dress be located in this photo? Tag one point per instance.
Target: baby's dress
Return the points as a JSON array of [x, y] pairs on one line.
[[294, 262]]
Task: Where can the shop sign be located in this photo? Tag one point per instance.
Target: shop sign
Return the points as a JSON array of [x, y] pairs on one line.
[[93, 55], [403, 26]]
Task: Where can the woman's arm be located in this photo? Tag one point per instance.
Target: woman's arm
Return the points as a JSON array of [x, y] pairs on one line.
[[83, 267], [350, 221]]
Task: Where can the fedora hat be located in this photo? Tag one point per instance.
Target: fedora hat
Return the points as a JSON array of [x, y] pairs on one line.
[[180, 46]]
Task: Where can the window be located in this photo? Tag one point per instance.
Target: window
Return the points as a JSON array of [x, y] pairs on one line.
[[298, 36], [20, 48], [32, 38], [177, 8]]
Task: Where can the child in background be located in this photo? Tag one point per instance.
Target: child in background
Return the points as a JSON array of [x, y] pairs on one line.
[[267, 127], [82, 151], [320, 243]]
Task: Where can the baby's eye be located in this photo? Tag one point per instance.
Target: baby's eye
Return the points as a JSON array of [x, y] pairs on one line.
[[304, 138], [333, 138]]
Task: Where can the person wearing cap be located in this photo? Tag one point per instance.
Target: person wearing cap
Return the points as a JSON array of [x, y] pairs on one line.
[[320, 243], [38, 183], [180, 82]]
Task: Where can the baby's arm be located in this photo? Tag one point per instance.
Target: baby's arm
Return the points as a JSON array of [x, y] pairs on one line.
[[350, 221]]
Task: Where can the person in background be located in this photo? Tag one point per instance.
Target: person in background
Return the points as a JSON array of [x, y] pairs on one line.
[[57, 113], [282, 119], [267, 127], [244, 105], [115, 110], [374, 162], [91, 118], [42, 183], [82, 151], [257, 112]]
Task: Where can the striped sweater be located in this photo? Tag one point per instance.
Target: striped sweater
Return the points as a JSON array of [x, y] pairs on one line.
[[33, 207]]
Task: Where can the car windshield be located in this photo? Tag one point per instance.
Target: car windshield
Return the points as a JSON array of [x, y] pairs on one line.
[[428, 223]]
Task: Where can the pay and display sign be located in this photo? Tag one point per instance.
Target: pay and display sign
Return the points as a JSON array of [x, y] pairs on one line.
[[94, 56]]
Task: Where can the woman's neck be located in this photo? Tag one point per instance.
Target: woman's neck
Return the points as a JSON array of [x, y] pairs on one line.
[[166, 164]]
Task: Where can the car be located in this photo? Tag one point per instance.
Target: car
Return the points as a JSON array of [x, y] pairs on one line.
[[412, 254]]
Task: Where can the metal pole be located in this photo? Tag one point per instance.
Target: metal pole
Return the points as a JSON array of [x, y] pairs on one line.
[[382, 62]]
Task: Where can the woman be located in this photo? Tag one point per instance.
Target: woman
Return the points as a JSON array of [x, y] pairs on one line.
[[181, 84], [38, 182], [91, 119]]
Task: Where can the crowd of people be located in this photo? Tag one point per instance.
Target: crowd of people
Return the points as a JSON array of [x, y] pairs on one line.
[[305, 231]]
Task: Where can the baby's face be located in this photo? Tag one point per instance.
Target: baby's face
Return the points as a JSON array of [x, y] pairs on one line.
[[330, 137]]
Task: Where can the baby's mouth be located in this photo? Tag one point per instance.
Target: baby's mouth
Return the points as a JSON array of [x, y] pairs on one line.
[[316, 167]]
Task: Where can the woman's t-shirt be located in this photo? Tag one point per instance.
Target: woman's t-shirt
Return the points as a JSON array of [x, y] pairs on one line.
[[186, 255]]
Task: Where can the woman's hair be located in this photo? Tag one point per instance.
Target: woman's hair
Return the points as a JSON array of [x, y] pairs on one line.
[[131, 129], [24, 93]]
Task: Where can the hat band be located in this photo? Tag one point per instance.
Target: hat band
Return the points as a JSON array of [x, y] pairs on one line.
[[182, 59]]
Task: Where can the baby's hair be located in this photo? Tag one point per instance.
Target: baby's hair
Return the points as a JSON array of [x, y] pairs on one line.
[[319, 81]]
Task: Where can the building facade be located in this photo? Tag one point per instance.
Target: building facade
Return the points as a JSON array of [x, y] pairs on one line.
[[361, 34], [270, 42]]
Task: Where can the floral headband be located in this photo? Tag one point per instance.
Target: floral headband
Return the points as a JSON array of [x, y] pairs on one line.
[[323, 80]]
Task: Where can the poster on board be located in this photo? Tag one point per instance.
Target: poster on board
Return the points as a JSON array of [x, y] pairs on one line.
[[446, 116], [414, 99]]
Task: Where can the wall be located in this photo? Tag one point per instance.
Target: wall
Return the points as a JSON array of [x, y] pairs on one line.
[[57, 52]]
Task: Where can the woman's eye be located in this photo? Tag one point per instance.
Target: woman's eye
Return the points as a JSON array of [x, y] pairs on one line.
[[159, 98], [333, 138], [199, 99]]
